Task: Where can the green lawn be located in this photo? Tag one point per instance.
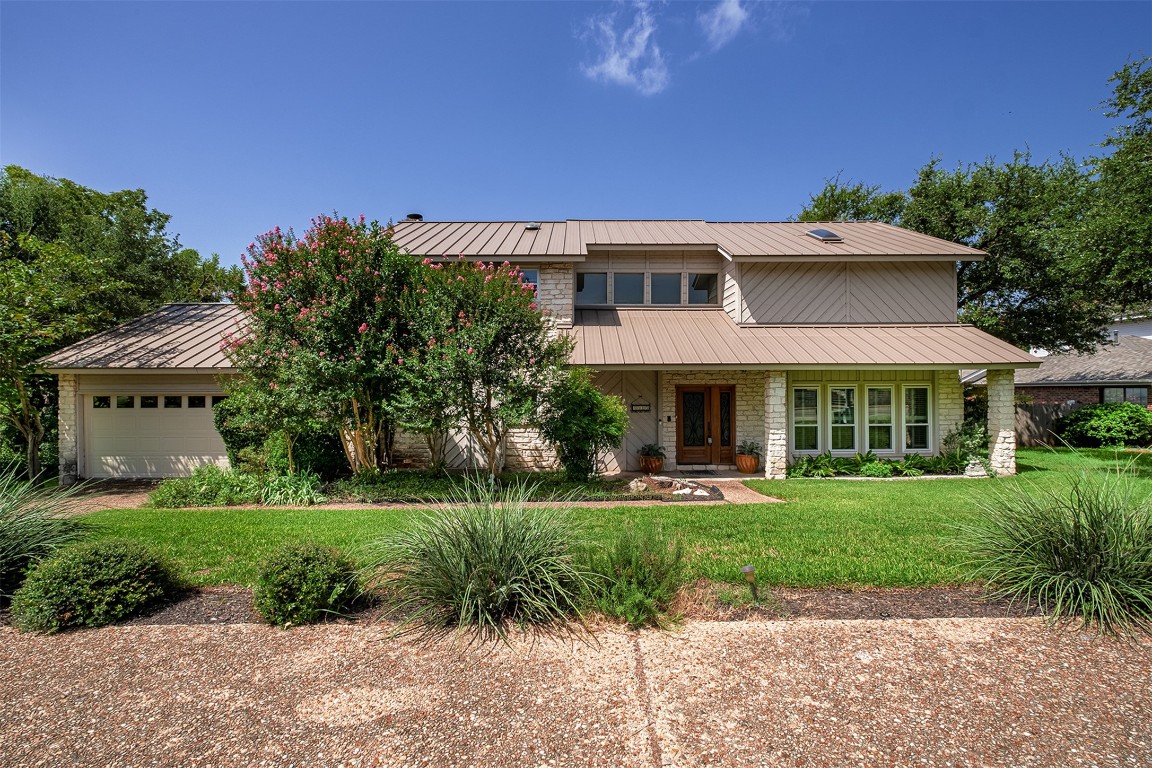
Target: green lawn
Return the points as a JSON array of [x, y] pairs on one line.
[[831, 532]]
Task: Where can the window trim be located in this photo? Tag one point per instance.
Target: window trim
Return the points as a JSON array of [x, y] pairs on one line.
[[927, 424], [855, 390], [794, 425], [824, 425], [891, 423], [683, 282]]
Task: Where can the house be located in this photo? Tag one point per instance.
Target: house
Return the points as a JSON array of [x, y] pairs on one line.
[[1117, 371], [802, 338]]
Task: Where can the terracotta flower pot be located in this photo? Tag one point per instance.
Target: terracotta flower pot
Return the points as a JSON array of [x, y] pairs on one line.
[[747, 463], [652, 464]]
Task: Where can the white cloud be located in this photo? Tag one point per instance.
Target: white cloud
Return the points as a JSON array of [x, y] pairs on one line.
[[723, 22], [630, 57]]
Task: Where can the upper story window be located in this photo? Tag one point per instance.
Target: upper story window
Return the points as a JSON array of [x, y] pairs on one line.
[[641, 288], [591, 287]]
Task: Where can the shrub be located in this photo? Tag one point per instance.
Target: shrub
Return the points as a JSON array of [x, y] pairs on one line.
[[582, 422], [1107, 424], [638, 577], [34, 522], [207, 486], [93, 584], [305, 583], [485, 561], [1079, 552], [297, 490], [876, 469]]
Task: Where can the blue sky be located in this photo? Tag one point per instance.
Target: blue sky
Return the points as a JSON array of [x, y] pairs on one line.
[[237, 117]]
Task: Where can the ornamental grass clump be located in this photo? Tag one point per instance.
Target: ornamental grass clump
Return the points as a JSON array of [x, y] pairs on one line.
[[483, 563], [1080, 552], [35, 521]]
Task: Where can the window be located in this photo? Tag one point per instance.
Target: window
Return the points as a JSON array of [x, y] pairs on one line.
[[806, 419], [666, 288], [703, 289], [591, 287], [102, 401], [173, 401], [195, 401], [842, 401], [628, 288], [915, 418], [530, 276], [125, 401], [880, 419], [217, 399], [149, 401], [1125, 395]]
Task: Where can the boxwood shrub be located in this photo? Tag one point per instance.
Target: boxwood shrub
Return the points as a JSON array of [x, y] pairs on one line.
[[304, 584], [93, 584]]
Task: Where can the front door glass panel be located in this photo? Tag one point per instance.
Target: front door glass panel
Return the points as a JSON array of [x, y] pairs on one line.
[[693, 416]]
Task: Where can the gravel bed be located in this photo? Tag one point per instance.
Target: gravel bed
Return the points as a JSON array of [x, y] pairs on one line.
[[1003, 692]]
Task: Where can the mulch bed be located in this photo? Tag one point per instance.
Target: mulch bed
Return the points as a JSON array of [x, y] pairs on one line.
[[233, 605]]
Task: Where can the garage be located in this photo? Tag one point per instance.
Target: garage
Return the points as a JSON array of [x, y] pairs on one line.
[[149, 434]]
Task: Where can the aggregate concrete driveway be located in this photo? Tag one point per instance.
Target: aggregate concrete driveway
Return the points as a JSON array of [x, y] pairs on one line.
[[994, 692]]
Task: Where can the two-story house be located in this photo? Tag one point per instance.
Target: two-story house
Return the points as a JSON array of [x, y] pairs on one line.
[[804, 338]]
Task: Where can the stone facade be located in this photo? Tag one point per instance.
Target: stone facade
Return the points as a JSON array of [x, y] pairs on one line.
[[776, 425], [949, 404], [749, 406], [69, 420], [1002, 422], [554, 292]]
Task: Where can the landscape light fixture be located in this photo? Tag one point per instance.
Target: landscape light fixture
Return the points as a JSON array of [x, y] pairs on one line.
[[750, 574]]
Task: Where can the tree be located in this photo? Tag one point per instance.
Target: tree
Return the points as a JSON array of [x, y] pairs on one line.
[[329, 323], [582, 422], [44, 302], [853, 202], [1118, 226], [497, 352], [76, 261]]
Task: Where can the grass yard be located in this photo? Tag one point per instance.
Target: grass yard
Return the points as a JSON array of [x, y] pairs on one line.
[[830, 533]]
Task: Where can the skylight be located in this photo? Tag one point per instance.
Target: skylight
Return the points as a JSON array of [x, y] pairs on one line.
[[825, 235]]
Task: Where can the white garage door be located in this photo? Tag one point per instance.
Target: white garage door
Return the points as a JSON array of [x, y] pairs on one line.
[[146, 435]]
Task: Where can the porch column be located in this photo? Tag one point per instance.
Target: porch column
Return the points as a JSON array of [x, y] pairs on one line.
[[69, 419], [775, 425], [1002, 422]]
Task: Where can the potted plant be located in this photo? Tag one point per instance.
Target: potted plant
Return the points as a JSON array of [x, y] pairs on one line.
[[748, 456], [652, 458]]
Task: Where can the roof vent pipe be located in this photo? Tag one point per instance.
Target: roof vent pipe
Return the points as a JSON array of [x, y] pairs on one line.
[[414, 217]]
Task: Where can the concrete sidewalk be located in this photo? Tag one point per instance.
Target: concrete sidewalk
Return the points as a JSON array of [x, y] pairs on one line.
[[935, 692]]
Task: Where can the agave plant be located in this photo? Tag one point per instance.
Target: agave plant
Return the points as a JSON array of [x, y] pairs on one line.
[[35, 521]]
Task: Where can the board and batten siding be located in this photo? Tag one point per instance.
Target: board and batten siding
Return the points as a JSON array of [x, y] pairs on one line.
[[872, 292], [633, 387]]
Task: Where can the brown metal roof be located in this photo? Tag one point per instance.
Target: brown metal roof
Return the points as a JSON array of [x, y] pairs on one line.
[[174, 337], [617, 338], [758, 240]]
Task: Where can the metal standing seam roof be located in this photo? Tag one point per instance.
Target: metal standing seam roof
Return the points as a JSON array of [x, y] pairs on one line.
[[574, 239], [174, 337], [707, 338]]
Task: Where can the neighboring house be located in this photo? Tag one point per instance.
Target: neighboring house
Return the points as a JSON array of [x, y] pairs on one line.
[[803, 339], [1118, 371]]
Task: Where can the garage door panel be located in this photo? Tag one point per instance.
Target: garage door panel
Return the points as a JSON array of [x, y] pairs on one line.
[[149, 442]]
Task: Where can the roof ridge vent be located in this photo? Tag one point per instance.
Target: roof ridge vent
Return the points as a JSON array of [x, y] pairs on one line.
[[825, 235], [532, 225]]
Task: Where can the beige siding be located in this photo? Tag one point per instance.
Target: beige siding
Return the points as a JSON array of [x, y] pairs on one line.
[[794, 293], [909, 292], [643, 428], [874, 292], [731, 290]]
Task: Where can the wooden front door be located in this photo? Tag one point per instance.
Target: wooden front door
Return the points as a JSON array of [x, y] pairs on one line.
[[705, 425]]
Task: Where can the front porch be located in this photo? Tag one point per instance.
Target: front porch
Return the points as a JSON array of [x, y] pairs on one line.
[[701, 417]]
